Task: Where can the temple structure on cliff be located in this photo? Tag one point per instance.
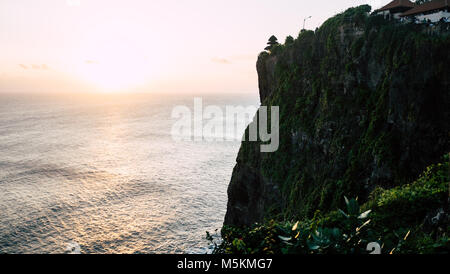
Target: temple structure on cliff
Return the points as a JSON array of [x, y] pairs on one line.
[[395, 9], [432, 11]]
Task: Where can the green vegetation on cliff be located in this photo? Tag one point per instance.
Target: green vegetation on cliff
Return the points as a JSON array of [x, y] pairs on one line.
[[406, 219], [364, 109], [364, 103]]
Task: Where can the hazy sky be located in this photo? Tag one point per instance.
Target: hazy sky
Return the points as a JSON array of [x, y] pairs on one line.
[[146, 45]]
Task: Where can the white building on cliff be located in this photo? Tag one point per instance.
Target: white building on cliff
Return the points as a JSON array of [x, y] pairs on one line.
[[395, 9], [433, 11]]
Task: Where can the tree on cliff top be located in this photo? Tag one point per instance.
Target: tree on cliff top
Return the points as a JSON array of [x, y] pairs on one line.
[[289, 40], [273, 41]]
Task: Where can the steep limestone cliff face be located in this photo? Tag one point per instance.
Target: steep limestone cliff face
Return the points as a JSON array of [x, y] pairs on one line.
[[364, 103]]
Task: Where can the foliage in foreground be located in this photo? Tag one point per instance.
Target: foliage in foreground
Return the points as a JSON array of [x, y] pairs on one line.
[[408, 219]]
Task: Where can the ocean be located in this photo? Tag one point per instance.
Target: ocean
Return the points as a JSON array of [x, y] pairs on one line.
[[103, 172]]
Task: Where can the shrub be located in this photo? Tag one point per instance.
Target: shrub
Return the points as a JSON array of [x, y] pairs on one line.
[[393, 219]]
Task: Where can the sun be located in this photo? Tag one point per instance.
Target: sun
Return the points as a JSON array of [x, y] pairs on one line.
[[112, 66], [115, 73]]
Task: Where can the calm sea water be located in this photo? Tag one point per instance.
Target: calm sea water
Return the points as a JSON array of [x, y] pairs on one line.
[[103, 171]]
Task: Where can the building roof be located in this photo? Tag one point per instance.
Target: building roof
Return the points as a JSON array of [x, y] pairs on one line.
[[429, 6], [398, 4]]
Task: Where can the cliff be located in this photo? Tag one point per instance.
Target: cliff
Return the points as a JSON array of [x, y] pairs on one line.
[[364, 104]]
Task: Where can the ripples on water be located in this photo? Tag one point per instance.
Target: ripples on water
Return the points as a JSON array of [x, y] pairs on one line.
[[102, 171]]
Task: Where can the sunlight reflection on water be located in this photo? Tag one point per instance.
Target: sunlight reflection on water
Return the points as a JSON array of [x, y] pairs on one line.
[[104, 173]]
